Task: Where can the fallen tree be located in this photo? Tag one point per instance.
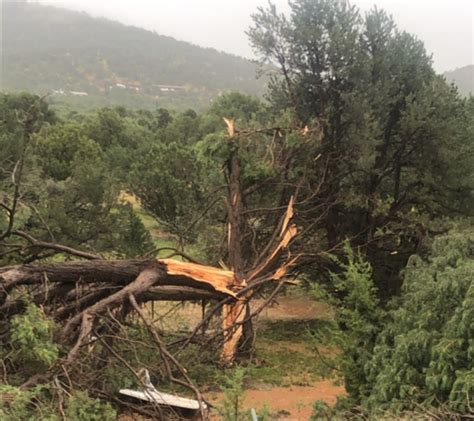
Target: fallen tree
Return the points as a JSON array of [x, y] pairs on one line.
[[79, 295], [92, 300], [76, 291]]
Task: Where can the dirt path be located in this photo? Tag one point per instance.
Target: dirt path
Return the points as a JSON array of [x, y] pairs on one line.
[[292, 403]]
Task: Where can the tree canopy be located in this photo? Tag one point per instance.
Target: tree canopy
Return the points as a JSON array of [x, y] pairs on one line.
[[389, 129]]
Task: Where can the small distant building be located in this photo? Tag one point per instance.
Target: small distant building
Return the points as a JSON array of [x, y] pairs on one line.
[[171, 88], [58, 91], [78, 93], [120, 85]]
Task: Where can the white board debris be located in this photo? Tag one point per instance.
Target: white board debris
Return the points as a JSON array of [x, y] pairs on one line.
[[150, 394]]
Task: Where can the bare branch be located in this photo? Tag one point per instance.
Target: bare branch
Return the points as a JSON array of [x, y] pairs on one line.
[[53, 246]]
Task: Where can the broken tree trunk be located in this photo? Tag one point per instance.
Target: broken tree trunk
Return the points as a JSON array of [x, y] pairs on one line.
[[239, 335], [272, 265], [80, 292], [236, 332]]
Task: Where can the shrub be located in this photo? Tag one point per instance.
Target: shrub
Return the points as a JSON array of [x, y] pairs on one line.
[[32, 337], [26, 405], [418, 352], [425, 352], [233, 388], [81, 407]]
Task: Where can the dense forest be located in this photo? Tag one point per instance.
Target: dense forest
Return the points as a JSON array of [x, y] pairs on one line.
[[354, 179]]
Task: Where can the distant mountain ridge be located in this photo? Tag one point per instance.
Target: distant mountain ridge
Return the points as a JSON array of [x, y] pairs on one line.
[[95, 61], [463, 78], [86, 62]]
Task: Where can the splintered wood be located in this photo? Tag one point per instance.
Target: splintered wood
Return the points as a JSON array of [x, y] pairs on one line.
[[234, 314], [287, 233], [218, 279]]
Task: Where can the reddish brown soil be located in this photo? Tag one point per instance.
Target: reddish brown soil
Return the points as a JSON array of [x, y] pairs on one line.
[[289, 403], [293, 403]]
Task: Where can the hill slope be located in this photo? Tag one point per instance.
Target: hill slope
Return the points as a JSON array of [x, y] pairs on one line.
[[46, 48], [463, 78]]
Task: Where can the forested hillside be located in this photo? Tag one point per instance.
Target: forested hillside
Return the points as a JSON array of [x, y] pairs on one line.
[[463, 78], [48, 49]]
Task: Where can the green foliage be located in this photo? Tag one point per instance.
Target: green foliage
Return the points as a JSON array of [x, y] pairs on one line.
[[166, 180], [425, 352], [25, 405], [21, 117], [419, 352], [233, 388], [358, 318], [393, 139], [57, 146], [231, 406], [321, 412], [81, 407], [245, 109], [32, 338], [72, 176], [133, 240], [386, 160]]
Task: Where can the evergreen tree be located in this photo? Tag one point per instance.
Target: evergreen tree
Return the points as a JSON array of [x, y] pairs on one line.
[[391, 137]]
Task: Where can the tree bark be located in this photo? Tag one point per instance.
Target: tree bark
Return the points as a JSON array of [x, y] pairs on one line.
[[121, 272], [236, 339]]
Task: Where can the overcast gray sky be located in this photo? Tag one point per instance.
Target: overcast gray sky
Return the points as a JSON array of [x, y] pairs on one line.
[[446, 26]]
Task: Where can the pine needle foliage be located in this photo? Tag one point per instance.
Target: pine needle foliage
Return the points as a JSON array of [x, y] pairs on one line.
[[416, 354]]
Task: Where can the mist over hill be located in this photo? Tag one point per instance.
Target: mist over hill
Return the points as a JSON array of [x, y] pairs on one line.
[[86, 61], [463, 78]]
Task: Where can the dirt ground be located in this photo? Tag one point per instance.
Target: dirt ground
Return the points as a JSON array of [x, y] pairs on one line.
[[291, 401], [294, 308], [286, 308]]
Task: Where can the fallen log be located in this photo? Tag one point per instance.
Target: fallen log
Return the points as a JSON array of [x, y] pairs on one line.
[[205, 279], [98, 286], [118, 272]]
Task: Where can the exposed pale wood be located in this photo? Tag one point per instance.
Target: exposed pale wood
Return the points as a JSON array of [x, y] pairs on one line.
[[220, 280], [288, 215], [287, 233], [232, 317], [233, 314], [230, 122]]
